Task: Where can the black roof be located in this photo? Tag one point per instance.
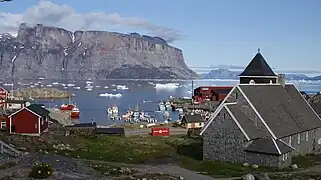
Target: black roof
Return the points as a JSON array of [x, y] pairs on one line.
[[258, 67], [268, 146], [222, 91], [249, 125], [317, 107], [191, 118], [284, 110], [93, 124], [36, 108], [119, 131]]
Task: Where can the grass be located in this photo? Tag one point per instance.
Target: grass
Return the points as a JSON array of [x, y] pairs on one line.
[[307, 161], [7, 165]]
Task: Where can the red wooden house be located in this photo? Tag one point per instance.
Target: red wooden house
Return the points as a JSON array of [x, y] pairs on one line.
[[13, 104], [3, 95], [31, 120], [213, 93]]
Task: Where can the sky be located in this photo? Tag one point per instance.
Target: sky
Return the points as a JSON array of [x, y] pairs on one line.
[[210, 32]]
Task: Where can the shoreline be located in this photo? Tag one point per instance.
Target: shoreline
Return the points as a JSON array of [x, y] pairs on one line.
[[41, 93]]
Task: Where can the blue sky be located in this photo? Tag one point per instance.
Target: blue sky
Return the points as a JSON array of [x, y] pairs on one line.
[[288, 32]]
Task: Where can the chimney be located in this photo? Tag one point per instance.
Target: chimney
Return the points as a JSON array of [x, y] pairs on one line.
[[281, 79]]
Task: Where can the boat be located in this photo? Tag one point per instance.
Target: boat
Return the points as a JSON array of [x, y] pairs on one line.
[[67, 107], [167, 115], [136, 112], [113, 110], [168, 106], [75, 112], [161, 106]]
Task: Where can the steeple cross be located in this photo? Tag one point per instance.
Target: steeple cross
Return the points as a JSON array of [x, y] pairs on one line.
[[258, 50]]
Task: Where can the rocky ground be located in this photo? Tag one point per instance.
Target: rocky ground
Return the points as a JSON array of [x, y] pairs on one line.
[[40, 93]]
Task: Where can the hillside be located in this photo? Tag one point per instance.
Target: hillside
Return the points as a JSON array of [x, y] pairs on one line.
[[53, 52]]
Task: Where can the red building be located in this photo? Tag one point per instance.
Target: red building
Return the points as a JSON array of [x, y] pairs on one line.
[[31, 120], [212, 93], [3, 95]]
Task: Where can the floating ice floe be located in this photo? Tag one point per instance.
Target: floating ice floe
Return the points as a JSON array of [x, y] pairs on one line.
[[106, 87], [97, 86], [122, 87], [88, 86], [89, 82], [49, 85], [70, 85], [113, 85], [7, 84], [118, 95], [55, 83], [77, 87], [63, 84], [168, 86], [89, 89]]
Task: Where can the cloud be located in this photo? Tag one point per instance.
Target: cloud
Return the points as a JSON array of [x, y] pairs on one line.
[[51, 14]]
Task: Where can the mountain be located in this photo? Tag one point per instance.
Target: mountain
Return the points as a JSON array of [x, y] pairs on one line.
[[316, 78], [52, 52], [227, 74]]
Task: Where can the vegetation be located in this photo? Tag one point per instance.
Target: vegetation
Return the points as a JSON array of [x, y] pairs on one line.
[[40, 171], [307, 161]]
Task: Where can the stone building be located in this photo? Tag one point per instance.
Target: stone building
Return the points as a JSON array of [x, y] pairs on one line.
[[262, 121]]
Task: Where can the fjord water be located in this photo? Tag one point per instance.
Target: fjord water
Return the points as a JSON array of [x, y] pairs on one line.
[[145, 93]]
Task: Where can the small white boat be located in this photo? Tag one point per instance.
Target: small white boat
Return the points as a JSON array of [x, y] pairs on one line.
[[113, 110], [168, 106], [161, 106]]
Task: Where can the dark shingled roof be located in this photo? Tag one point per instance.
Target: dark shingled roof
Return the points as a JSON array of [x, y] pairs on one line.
[[267, 146], [189, 118], [284, 110], [317, 107], [36, 108], [246, 123], [258, 67]]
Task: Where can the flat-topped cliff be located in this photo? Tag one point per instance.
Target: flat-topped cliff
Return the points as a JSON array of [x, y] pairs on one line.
[[52, 52]]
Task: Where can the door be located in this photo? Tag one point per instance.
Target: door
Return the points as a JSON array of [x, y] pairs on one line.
[[13, 128]]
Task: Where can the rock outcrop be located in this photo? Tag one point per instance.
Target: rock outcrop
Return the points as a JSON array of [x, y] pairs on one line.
[[55, 53]]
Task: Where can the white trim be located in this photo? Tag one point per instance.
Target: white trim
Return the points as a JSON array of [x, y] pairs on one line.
[[287, 144], [39, 126], [211, 119], [10, 125], [237, 123], [307, 102], [257, 113], [259, 77], [276, 146], [23, 109], [27, 134], [4, 90], [258, 84]]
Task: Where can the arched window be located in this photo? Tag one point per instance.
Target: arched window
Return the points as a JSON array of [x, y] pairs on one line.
[[252, 81]]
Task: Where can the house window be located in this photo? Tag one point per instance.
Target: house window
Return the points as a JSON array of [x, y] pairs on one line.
[[299, 138], [290, 140], [42, 121], [236, 95], [200, 124], [224, 116], [46, 119], [307, 136], [285, 156]]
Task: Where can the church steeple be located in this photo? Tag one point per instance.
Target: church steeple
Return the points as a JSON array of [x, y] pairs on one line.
[[258, 71]]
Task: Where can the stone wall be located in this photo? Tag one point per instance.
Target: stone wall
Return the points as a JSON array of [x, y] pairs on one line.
[[267, 160], [223, 140], [81, 131], [307, 144]]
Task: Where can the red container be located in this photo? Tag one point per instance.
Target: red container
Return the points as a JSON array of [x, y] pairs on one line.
[[160, 131]]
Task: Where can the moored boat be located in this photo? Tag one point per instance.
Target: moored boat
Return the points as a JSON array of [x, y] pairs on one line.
[[113, 110], [75, 112], [168, 106], [67, 107], [161, 106]]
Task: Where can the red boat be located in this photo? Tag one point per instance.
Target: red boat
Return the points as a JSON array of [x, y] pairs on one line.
[[75, 113], [67, 107]]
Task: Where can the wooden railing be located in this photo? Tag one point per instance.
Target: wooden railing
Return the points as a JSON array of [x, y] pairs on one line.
[[7, 149]]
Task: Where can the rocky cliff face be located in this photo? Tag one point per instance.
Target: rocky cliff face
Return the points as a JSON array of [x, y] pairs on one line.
[[52, 52]]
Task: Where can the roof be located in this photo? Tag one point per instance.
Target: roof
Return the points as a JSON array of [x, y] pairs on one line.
[[223, 91], [246, 123], [317, 107], [15, 101], [191, 118], [284, 111], [268, 146], [258, 67], [83, 125], [36, 108]]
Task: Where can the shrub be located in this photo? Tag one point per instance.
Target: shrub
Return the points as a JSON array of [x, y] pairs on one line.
[[40, 171]]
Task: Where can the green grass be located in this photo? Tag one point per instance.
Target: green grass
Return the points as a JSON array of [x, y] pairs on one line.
[[186, 152], [307, 161]]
